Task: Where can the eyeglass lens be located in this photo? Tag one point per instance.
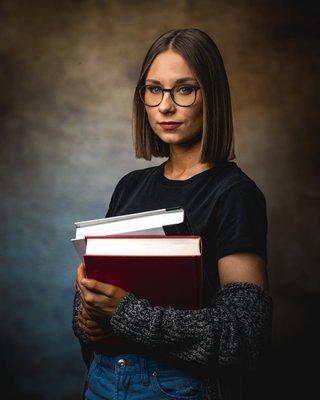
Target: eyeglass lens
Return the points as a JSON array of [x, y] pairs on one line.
[[184, 95]]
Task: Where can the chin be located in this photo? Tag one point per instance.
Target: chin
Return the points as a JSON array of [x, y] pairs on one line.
[[179, 138], [170, 137]]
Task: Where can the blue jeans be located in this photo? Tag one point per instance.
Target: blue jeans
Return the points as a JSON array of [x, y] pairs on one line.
[[139, 377]]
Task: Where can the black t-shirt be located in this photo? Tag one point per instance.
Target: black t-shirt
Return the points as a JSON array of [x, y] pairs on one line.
[[223, 205]]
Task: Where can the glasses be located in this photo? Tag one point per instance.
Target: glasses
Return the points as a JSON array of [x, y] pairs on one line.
[[182, 95]]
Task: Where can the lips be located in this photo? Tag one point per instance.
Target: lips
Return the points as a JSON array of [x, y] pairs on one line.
[[170, 125]]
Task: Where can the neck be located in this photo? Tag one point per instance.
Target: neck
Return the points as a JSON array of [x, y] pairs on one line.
[[185, 160]]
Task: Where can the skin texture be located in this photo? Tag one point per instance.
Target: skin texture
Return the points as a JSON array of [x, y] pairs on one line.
[[100, 300]]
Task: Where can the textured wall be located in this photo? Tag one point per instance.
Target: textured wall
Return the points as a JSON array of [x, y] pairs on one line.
[[67, 73]]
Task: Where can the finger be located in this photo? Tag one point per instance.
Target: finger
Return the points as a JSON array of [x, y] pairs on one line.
[[93, 302], [93, 332], [89, 323], [84, 313], [81, 274], [99, 287], [97, 306], [96, 315], [90, 296], [89, 310], [85, 309], [83, 291], [92, 313], [101, 300], [98, 321], [98, 331]]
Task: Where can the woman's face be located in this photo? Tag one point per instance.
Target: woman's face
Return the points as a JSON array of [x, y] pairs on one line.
[[166, 69]]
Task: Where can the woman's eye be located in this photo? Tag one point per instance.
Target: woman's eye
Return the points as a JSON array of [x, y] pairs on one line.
[[154, 89], [185, 89]]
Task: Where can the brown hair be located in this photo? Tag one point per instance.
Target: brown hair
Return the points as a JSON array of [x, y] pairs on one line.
[[204, 59]]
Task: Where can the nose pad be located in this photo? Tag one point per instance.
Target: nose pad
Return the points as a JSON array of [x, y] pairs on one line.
[[166, 103]]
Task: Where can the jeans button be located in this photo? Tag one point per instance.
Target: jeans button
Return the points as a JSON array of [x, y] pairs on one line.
[[122, 362]]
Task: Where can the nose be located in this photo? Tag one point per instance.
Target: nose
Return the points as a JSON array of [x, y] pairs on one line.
[[167, 103]]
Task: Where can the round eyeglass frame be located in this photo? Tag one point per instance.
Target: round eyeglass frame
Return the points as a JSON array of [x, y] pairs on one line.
[[196, 87]]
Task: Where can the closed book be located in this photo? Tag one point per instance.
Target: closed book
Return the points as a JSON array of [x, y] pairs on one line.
[[166, 221], [166, 270]]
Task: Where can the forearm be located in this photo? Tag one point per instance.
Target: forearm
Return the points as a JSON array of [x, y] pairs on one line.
[[234, 330]]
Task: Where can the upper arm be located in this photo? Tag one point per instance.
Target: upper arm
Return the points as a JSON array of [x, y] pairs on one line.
[[243, 267], [115, 196], [241, 241]]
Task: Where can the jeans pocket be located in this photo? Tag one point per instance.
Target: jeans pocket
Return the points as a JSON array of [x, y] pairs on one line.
[[177, 385]]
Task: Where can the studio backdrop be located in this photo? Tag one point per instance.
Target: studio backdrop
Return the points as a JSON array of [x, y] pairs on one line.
[[67, 73]]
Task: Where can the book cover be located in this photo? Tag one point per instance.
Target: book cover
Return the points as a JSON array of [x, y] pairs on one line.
[[165, 280]]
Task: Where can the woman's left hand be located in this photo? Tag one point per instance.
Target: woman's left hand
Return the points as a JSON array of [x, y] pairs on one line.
[[99, 299]]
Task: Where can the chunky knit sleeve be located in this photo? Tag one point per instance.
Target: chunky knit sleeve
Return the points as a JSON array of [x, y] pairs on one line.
[[234, 330], [79, 333], [86, 347]]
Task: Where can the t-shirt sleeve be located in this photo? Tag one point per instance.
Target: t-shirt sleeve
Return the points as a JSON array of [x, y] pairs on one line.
[[241, 221], [111, 205], [118, 195]]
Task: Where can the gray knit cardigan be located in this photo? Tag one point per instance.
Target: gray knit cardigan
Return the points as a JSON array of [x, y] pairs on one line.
[[232, 334]]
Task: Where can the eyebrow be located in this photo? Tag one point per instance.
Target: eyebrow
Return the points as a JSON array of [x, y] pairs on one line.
[[177, 81]]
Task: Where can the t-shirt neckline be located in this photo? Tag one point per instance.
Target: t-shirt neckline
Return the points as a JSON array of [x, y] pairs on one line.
[[175, 182]]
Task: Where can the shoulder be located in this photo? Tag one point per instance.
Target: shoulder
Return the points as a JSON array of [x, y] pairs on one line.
[[240, 201], [236, 185], [240, 219]]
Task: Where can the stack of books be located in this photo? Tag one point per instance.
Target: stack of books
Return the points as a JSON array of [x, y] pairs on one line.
[[164, 267], [165, 221]]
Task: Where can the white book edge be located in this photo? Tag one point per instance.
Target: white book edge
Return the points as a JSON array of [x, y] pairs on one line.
[[132, 224], [167, 246], [80, 243], [98, 221], [147, 222]]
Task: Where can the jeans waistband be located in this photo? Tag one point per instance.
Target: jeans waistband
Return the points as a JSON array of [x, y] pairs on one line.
[[133, 363]]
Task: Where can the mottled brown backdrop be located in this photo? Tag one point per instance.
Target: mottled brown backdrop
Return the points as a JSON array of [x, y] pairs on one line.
[[67, 75]]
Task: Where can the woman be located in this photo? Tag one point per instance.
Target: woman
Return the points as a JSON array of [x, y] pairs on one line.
[[182, 110]]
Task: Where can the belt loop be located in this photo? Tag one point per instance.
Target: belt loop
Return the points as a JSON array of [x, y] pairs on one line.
[[98, 358], [144, 372]]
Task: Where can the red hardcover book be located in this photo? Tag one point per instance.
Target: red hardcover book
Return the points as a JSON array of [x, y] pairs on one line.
[[174, 280]]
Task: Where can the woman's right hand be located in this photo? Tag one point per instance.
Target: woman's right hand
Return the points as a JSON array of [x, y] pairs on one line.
[[95, 330], [92, 330]]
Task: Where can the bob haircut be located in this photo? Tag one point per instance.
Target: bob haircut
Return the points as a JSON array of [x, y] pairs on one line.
[[204, 59]]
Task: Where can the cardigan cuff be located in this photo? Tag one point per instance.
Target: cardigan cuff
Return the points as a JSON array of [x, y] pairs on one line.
[[117, 316]]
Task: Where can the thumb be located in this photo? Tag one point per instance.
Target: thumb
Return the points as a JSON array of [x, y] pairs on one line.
[[95, 286]]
